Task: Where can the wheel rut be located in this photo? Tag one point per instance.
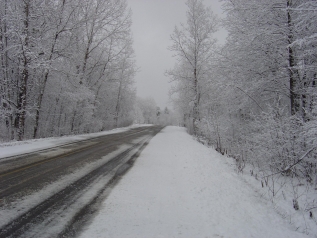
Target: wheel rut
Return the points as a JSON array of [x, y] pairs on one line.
[[70, 207]]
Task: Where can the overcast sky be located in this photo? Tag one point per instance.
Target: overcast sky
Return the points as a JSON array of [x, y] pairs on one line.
[[153, 23]]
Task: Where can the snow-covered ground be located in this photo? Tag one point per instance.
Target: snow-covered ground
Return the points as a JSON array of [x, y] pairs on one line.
[[180, 188], [20, 147]]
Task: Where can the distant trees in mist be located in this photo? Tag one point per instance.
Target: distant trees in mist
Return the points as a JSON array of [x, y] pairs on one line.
[[255, 97], [147, 112]]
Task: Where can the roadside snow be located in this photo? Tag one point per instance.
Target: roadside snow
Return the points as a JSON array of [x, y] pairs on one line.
[[21, 147], [180, 188]]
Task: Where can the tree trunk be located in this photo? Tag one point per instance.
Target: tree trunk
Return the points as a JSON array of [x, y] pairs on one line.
[[196, 104], [39, 105], [5, 67], [25, 75], [294, 100], [118, 105]]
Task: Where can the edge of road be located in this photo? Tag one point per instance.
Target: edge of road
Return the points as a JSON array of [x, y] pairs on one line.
[[39, 150]]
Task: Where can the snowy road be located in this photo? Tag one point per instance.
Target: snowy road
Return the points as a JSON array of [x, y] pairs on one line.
[[180, 188], [44, 194]]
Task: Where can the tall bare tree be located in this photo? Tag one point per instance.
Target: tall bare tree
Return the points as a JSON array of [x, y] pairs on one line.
[[193, 44]]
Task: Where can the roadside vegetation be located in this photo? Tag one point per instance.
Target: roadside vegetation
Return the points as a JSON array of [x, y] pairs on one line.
[[254, 98]]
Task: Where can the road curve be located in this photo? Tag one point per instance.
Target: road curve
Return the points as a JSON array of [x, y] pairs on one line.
[[53, 192]]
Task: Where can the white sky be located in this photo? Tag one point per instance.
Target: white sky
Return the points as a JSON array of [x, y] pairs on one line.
[[153, 23]]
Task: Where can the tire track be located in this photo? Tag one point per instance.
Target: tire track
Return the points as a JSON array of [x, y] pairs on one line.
[[49, 211]]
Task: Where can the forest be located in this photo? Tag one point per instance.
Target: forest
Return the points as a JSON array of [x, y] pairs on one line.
[[253, 98], [67, 67]]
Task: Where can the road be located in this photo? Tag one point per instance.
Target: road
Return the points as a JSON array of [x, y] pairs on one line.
[[55, 192]]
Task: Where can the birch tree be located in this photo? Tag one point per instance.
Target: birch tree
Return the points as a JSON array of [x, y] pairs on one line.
[[193, 44]]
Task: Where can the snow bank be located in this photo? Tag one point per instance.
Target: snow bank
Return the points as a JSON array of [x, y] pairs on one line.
[[180, 188]]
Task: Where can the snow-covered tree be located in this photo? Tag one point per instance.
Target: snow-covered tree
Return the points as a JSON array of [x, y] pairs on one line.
[[65, 66], [259, 99], [193, 45]]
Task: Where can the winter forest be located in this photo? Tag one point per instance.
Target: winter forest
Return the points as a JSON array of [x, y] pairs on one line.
[[68, 67], [253, 98]]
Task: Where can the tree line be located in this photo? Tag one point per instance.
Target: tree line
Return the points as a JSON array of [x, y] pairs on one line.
[[254, 97], [67, 67]]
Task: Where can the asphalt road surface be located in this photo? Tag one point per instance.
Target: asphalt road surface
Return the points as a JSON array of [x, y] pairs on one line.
[[55, 192]]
